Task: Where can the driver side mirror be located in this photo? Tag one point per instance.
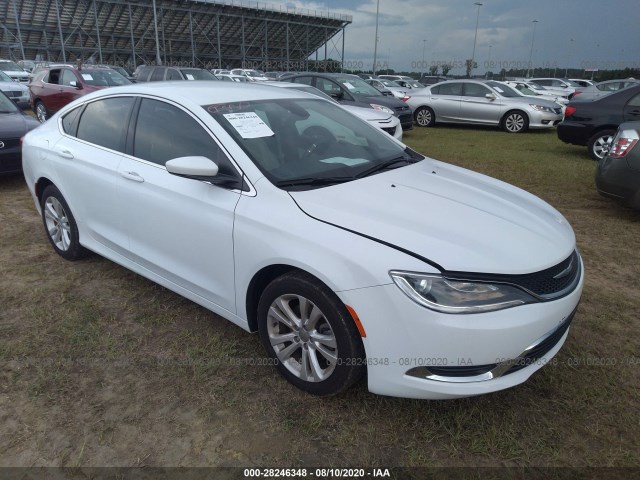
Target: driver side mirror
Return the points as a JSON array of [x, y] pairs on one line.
[[490, 96], [203, 169], [75, 84], [337, 95]]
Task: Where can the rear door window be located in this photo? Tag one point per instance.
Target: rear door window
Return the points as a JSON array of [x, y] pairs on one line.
[[103, 122]]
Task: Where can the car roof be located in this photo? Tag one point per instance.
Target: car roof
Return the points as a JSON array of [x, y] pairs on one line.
[[202, 92]]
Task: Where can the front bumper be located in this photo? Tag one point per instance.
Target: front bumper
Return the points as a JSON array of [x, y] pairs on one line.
[[539, 119], [415, 352]]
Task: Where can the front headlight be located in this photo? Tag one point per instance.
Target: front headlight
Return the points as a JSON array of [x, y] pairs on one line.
[[454, 296], [382, 108], [542, 108]]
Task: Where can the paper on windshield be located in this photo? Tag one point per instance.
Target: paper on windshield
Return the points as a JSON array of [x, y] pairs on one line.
[[87, 76], [189, 76], [249, 125], [349, 86], [498, 89]]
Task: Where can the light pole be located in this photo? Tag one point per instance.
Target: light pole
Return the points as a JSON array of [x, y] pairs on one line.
[[533, 37], [475, 38], [424, 47], [566, 69], [489, 65], [375, 45]]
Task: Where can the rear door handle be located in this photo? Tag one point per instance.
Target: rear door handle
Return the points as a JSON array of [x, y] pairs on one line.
[[132, 176], [64, 152]]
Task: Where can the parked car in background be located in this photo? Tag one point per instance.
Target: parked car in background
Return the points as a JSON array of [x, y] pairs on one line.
[[618, 173], [527, 89], [387, 122], [54, 88], [404, 81], [345, 250], [125, 72], [431, 80], [16, 91], [605, 88], [159, 73], [232, 78], [15, 71], [480, 102], [594, 122], [252, 75], [14, 124], [220, 71], [27, 65], [352, 90], [563, 85], [556, 92], [389, 86], [583, 83]]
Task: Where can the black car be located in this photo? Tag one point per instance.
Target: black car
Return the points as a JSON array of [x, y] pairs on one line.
[[14, 124], [618, 174], [352, 90], [594, 122]]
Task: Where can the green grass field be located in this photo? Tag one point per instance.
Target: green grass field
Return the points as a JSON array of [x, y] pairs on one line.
[[102, 367]]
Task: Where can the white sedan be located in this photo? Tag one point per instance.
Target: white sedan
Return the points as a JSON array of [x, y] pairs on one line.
[[348, 252]]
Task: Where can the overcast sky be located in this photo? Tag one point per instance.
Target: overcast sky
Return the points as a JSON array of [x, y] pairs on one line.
[[606, 34]]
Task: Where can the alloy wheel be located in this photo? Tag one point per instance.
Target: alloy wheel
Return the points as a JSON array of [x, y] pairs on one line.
[[57, 223]]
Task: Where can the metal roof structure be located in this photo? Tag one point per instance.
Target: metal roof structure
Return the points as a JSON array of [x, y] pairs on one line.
[[201, 33]]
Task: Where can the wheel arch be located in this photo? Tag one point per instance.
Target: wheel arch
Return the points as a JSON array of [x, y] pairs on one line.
[[41, 184]]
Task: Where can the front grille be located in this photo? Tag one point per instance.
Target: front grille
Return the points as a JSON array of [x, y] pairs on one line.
[[548, 284]]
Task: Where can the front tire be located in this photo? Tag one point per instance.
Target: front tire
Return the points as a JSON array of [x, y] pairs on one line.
[[310, 335], [599, 144], [61, 227], [41, 112], [425, 117], [515, 122]]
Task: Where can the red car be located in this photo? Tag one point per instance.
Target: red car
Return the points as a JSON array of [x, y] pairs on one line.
[[54, 88]]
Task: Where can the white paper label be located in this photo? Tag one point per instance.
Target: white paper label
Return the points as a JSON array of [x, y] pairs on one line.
[[498, 89], [349, 86], [249, 125], [87, 76], [349, 162], [189, 76]]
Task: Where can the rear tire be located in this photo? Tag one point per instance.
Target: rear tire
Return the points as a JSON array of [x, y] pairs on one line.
[[424, 117], [310, 335], [60, 226], [599, 144]]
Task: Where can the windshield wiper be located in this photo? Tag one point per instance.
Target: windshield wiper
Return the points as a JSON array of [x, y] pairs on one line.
[[313, 181], [384, 165]]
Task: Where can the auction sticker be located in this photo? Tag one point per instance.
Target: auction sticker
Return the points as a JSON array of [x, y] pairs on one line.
[[249, 125]]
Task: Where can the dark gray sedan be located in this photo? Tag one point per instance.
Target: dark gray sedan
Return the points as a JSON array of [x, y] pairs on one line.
[[618, 174]]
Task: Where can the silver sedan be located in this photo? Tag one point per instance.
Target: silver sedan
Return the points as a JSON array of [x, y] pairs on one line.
[[482, 103]]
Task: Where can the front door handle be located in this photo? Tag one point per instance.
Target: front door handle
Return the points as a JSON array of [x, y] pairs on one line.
[[132, 176]]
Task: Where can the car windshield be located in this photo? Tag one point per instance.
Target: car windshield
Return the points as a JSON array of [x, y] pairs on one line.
[[10, 67], [307, 143], [504, 90], [309, 89], [522, 88], [572, 83], [7, 105], [103, 78], [253, 73], [197, 74], [414, 84], [4, 77], [390, 83], [358, 86]]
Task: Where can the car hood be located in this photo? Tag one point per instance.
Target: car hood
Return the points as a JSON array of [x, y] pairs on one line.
[[461, 220], [368, 114], [12, 86], [15, 125]]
